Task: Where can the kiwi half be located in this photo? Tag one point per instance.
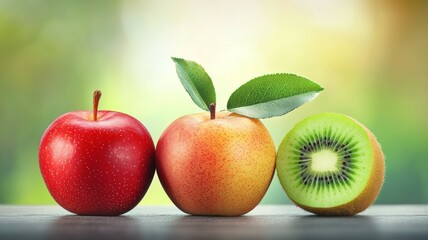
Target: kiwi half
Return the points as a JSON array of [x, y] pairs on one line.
[[330, 164]]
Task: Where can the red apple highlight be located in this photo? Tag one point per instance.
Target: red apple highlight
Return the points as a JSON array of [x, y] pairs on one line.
[[219, 165], [97, 163]]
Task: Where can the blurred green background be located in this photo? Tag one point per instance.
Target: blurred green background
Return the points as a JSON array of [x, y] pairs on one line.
[[370, 56]]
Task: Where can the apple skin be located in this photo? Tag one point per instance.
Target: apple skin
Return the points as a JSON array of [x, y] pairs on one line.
[[219, 167], [101, 167]]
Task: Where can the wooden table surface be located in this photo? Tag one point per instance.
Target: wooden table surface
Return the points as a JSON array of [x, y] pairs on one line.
[[265, 222]]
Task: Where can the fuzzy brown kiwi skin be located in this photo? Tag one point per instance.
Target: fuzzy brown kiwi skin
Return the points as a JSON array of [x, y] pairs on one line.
[[370, 192]]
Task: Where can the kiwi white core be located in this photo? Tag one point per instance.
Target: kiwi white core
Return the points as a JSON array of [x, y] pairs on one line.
[[324, 161]]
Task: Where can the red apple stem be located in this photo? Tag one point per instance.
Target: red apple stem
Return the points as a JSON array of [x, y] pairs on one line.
[[212, 110], [97, 96]]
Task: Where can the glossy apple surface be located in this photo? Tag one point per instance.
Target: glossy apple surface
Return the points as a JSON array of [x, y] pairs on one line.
[[97, 167], [220, 166]]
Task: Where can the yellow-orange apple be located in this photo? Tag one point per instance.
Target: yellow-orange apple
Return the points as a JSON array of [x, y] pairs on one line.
[[215, 165]]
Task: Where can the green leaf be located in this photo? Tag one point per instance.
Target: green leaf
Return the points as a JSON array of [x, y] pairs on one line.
[[196, 82], [272, 95]]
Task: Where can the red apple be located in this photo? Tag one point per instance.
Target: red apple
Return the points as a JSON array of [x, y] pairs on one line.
[[212, 165], [97, 163]]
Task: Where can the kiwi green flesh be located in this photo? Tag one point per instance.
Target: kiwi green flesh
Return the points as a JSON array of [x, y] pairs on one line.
[[325, 161]]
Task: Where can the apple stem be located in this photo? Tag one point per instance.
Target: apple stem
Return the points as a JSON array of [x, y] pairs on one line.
[[97, 96], [212, 110]]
